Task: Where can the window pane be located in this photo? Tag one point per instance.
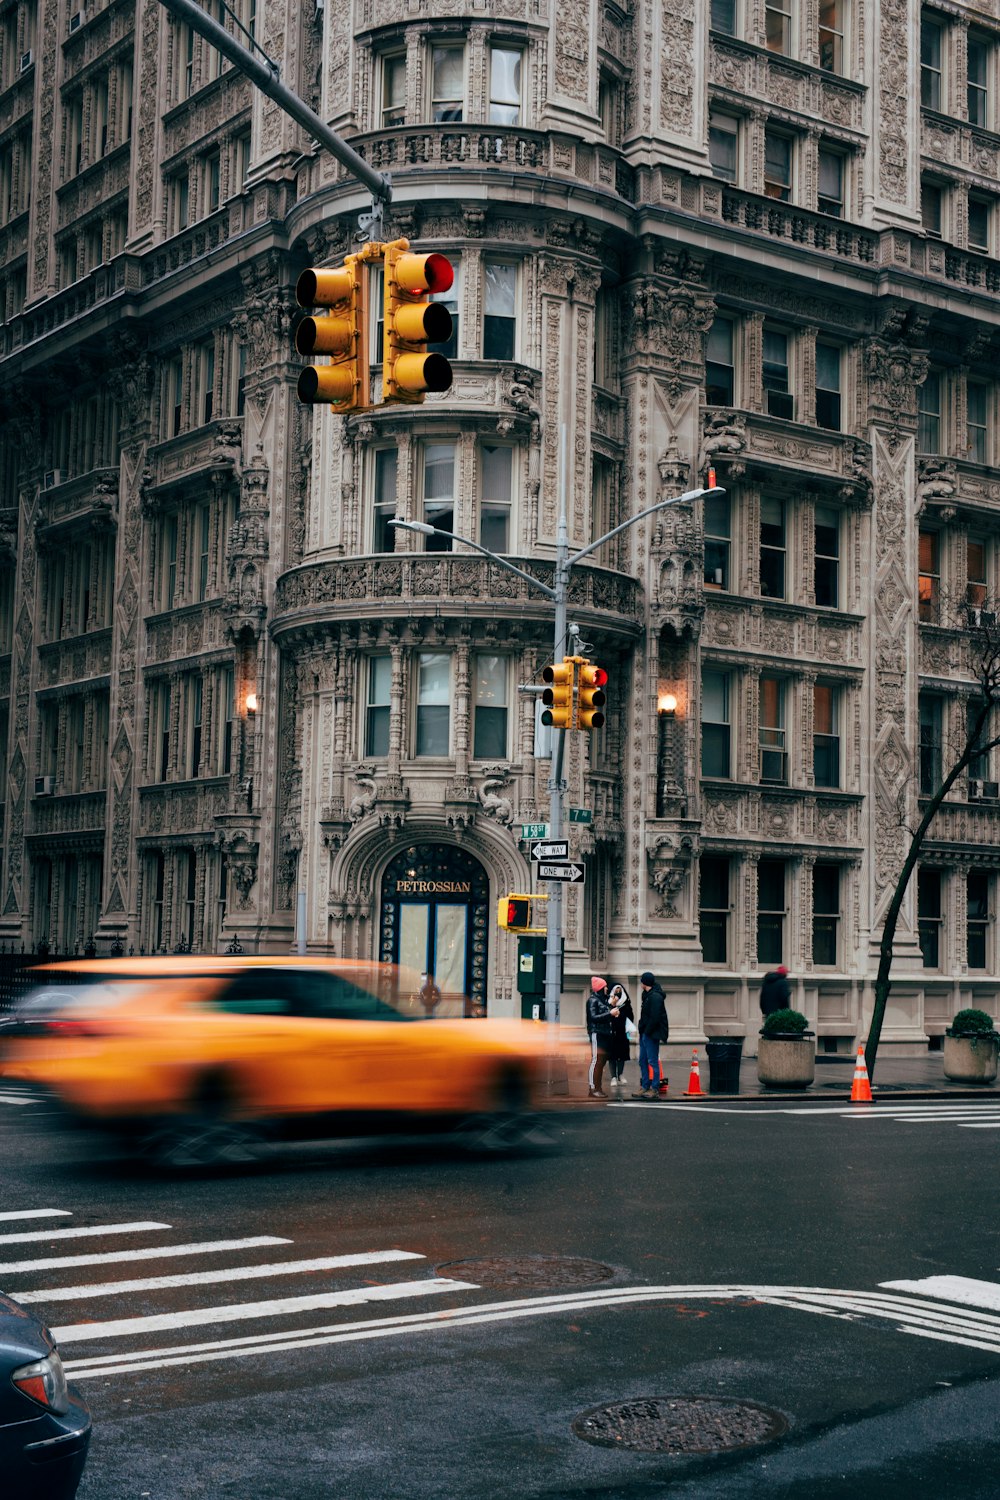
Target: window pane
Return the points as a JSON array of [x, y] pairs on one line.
[[499, 318], [713, 902], [719, 381], [505, 86], [433, 698], [777, 166], [497, 463], [717, 540], [723, 138], [979, 224], [831, 183], [931, 208], [724, 16], [393, 90], [491, 708], [448, 70]]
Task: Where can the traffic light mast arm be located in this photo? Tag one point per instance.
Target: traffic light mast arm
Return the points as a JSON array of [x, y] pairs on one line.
[[265, 76]]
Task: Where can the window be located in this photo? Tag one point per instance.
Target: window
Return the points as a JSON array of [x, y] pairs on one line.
[[828, 386], [500, 309], [168, 562], [386, 470], [826, 560], [724, 16], [978, 75], [156, 885], [826, 914], [977, 406], [379, 701], [439, 493], [929, 414], [494, 512], [931, 92], [780, 401], [980, 214], [189, 886], [213, 181], [772, 548], [715, 728], [778, 26], [777, 165], [195, 698], [714, 908], [826, 735], [203, 538], [447, 83], [609, 106], [226, 709], [977, 925], [929, 709], [773, 755], [205, 370], [125, 86], [73, 159], [931, 207], [831, 35], [830, 198], [99, 120], [161, 731], [929, 916], [770, 911], [979, 764], [505, 86], [433, 700], [394, 90], [723, 146], [975, 572], [720, 372], [929, 576], [181, 202], [490, 731], [718, 531], [605, 349]]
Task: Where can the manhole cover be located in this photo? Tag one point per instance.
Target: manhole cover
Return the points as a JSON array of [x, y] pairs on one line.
[[680, 1424], [537, 1272]]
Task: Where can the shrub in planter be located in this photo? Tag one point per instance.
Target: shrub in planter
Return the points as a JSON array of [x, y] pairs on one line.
[[786, 1057], [970, 1048]]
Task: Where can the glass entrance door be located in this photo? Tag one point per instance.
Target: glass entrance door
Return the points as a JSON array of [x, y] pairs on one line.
[[433, 921]]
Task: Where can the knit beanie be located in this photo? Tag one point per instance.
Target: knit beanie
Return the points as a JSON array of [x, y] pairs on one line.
[[597, 983], [647, 978]]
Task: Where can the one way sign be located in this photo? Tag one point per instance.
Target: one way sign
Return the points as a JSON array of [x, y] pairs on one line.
[[549, 849], [574, 874]]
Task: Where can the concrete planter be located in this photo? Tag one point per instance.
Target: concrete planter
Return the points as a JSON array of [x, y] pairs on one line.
[[786, 1062], [970, 1059]]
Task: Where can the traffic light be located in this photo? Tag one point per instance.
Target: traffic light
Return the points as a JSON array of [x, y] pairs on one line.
[[590, 698], [558, 698], [341, 333], [412, 321], [514, 913]]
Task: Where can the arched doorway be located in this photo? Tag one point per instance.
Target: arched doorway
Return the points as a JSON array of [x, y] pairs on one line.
[[434, 919]]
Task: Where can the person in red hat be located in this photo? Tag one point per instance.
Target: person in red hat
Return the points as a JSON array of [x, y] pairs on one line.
[[775, 992], [599, 1029]]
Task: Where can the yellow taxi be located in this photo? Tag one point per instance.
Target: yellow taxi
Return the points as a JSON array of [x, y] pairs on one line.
[[201, 1060]]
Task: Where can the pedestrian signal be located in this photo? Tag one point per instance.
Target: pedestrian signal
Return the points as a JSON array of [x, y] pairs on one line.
[[514, 913], [412, 321], [341, 333], [591, 697], [559, 693]]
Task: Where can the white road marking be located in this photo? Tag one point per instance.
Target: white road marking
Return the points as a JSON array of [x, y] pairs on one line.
[[149, 1252], [17, 1099], [910, 1316], [964, 1289], [206, 1278], [74, 1333], [137, 1227], [38, 1213]]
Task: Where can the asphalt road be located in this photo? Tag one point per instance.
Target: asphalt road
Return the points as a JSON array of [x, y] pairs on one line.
[[748, 1252]]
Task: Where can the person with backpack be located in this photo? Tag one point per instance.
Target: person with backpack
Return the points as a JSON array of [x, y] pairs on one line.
[[599, 1029], [654, 1030]]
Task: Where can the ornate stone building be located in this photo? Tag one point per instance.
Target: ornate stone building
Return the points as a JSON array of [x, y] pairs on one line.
[[759, 233]]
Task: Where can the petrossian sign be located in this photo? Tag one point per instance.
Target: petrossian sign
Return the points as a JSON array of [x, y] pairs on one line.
[[433, 887]]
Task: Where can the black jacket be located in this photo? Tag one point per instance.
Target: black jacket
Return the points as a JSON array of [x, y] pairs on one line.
[[653, 1020], [775, 993], [618, 1045], [599, 1017]]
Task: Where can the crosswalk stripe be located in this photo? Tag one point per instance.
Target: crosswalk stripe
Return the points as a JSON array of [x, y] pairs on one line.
[[148, 1252], [192, 1317], [24, 1237], [17, 1099], [207, 1278], [964, 1289], [36, 1213]]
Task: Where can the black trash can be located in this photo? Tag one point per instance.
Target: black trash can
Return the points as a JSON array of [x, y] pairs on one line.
[[724, 1057]]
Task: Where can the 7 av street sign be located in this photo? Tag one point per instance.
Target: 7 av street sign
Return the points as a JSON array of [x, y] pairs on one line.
[[549, 849], [574, 874]]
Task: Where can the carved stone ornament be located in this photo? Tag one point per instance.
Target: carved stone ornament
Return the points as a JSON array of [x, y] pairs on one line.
[[360, 806], [725, 440], [894, 371], [495, 806], [937, 481], [669, 857]]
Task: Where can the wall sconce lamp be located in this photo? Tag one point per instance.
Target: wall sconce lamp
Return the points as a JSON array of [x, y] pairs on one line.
[[251, 704], [668, 706]]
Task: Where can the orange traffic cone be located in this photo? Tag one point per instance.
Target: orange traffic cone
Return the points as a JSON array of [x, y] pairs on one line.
[[664, 1086], [693, 1090], [861, 1089]]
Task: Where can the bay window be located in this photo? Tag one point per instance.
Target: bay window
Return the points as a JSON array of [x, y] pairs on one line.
[[490, 724], [433, 703], [499, 309], [447, 84]]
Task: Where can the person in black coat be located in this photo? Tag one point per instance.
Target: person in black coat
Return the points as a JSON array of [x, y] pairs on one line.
[[599, 1023], [618, 1045], [654, 1030], [775, 992]]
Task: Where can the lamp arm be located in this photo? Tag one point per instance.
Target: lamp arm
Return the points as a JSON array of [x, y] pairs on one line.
[[641, 516]]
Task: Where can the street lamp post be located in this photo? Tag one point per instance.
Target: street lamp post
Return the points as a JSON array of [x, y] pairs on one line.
[[564, 563]]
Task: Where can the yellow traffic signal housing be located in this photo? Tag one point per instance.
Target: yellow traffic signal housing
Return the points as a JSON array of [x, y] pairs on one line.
[[412, 321], [341, 333], [514, 912], [590, 698], [558, 698]]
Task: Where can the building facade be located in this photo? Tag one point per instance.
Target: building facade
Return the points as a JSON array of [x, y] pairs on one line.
[[760, 234]]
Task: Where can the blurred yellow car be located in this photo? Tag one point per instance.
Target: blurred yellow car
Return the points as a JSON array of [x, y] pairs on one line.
[[197, 1061]]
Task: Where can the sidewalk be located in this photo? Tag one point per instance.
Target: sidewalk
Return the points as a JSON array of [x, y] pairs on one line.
[[895, 1078]]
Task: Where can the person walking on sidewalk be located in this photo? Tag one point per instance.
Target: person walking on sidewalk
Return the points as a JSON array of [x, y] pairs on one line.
[[654, 1030], [775, 992], [599, 1023], [618, 1046]]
